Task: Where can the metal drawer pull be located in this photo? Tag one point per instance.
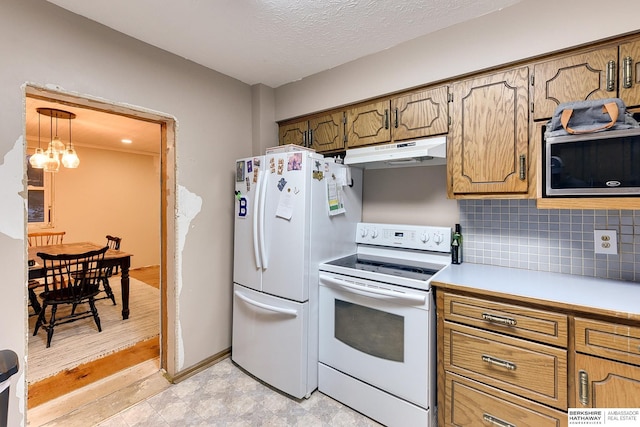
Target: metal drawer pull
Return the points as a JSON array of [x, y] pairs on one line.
[[499, 362], [497, 421], [499, 319], [583, 392]]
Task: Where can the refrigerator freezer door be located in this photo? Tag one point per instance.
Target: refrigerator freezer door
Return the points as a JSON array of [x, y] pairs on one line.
[[287, 219], [250, 176], [270, 341]]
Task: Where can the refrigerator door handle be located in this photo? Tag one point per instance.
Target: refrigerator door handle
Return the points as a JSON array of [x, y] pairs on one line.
[[261, 214], [268, 307], [255, 221]]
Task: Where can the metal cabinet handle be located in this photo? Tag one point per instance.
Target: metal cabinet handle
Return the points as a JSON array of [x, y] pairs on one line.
[[386, 118], [523, 167], [502, 320], [304, 138], [611, 76], [344, 127], [395, 121], [499, 362], [310, 142], [497, 421], [583, 387], [627, 73]]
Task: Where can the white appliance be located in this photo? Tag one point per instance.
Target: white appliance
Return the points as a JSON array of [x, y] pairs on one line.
[[292, 213], [418, 152], [377, 323]]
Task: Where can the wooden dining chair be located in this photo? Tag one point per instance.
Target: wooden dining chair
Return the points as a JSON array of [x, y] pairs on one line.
[[45, 238], [41, 238], [71, 280], [113, 243]]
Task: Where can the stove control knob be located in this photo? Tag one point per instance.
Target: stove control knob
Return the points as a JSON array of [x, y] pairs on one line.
[[424, 237], [438, 238], [374, 233], [363, 232]]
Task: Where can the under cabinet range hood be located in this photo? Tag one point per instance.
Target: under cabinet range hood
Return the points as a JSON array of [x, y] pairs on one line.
[[419, 152]]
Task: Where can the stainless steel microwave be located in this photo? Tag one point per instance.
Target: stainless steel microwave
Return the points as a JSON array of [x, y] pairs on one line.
[[597, 164]]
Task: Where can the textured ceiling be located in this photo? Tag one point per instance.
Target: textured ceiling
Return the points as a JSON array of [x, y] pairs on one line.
[[275, 42]]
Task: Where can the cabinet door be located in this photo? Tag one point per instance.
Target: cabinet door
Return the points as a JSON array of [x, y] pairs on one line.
[[368, 124], [629, 77], [490, 138], [574, 78], [421, 113], [602, 383], [295, 133], [326, 133]]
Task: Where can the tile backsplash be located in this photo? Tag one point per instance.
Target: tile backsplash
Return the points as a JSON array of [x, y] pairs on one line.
[[514, 233]]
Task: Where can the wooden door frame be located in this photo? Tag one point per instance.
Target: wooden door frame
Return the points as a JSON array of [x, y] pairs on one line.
[[168, 295]]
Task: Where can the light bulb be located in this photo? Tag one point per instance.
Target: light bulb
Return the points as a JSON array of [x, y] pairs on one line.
[[70, 159], [53, 163], [56, 145], [38, 159]]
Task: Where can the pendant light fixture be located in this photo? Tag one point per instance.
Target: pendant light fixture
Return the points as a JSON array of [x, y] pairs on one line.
[[56, 150]]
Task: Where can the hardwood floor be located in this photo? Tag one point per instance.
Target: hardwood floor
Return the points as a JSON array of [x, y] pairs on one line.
[[70, 380], [149, 275]]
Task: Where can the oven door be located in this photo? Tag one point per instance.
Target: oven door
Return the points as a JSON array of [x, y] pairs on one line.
[[380, 334]]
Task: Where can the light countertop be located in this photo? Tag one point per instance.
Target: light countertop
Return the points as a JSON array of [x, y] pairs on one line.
[[609, 297]]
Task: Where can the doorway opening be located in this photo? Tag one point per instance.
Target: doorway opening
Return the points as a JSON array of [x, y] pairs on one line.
[[155, 258]]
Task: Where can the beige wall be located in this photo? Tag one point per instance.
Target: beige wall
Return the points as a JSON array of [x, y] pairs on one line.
[[112, 192], [414, 195], [45, 45]]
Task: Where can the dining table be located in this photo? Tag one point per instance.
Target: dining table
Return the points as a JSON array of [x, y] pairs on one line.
[[112, 258]]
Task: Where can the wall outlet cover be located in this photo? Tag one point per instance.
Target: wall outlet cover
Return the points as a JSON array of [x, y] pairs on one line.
[[605, 242]]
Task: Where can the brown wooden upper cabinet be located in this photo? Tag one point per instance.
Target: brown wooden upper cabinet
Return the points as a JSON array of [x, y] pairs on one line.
[[489, 138], [325, 133], [294, 133], [603, 73], [413, 115]]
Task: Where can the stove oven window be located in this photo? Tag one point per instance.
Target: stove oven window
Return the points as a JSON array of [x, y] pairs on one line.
[[370, 331]]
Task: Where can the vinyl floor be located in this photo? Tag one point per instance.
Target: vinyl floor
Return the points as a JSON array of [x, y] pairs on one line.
[[224, 395]]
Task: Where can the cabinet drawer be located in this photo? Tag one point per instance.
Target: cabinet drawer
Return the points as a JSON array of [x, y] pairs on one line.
[[538, 325], [610, 340], [532, 370], [471, 404]]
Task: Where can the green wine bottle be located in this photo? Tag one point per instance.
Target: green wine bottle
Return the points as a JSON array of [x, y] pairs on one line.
[[456, 246]]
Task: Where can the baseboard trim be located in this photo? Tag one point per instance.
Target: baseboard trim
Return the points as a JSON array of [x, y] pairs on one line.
[[201, 366]]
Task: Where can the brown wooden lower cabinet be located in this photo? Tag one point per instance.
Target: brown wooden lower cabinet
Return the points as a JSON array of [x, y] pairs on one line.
[[532, 370], [606, 383], [470, 403]]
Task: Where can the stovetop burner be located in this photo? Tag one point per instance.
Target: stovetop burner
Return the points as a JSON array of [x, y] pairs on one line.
[[384, 267]]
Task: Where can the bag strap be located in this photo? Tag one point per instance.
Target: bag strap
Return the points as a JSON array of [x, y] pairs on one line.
[[610, 107]]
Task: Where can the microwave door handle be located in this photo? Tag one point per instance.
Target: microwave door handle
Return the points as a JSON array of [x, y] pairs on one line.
[[279, 310], [382, 292]]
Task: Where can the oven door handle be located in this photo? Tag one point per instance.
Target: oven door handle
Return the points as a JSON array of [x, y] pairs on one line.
[[268, 307], [384, 292]]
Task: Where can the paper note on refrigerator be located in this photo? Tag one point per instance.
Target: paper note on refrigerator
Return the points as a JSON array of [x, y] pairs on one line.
[[335, 198], [285, 206]]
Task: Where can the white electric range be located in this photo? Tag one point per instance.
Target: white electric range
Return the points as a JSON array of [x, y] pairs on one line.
[[377, 323]]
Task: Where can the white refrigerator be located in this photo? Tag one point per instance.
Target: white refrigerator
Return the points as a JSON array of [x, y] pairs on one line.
[[293, 212]]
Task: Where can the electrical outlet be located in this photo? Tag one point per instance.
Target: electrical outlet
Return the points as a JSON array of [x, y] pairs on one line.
[[605, 242]]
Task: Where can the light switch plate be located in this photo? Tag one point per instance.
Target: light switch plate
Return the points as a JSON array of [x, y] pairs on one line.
[[605, 242]]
